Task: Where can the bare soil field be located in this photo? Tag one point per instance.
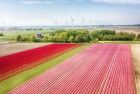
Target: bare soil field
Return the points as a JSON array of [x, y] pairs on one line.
[[136, 57], [10, 48], [135, 31]]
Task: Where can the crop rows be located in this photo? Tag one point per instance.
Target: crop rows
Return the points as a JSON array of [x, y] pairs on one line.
[[99, 69], [25, 59]]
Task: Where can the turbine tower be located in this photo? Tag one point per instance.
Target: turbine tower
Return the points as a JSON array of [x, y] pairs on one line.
[[90, 23], [56, 23], [83, 21], [72, 21], [4, 24], [66, 22], [98, 23]]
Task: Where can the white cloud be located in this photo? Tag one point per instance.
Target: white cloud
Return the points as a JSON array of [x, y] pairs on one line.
[[35, 1], [80, 1], [51, 1], [118, 1], [30, 1]]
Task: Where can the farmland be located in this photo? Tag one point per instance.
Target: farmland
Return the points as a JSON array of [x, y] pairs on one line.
[[84, 68], [70, 47], [30, 73], [96, 73], [23, 60]]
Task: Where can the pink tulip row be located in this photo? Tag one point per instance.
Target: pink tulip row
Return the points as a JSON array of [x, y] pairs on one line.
[[99, 69]]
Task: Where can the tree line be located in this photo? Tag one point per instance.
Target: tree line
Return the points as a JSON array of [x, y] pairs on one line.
[[80, 36]]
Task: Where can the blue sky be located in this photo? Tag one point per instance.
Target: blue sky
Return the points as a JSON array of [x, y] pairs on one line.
[[53, 12]]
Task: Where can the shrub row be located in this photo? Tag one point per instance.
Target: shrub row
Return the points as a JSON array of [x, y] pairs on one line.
[[79, 36]]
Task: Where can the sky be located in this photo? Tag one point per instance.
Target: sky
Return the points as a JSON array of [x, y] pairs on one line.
[[69, 12]]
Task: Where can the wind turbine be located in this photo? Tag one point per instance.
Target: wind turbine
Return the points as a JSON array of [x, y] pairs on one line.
[[90, 23], [98, 23], [56, 23], [83, 21], [72, 21], [4, 24], [66, 22]]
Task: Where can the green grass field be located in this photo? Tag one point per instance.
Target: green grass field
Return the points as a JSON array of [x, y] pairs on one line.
[[24, 76], [11, 34], [121, 42]]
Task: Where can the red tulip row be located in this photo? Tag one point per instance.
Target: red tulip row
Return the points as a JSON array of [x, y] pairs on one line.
[[21, 60], [99, 69]]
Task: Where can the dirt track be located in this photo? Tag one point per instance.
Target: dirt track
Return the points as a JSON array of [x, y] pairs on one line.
[[10, 48], [136, 56]]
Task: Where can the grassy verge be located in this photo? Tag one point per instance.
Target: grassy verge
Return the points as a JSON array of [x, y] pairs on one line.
[[121, 42], [20, 78]]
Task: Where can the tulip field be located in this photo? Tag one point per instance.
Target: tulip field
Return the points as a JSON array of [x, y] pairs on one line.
[[14, 63], [98, 69]]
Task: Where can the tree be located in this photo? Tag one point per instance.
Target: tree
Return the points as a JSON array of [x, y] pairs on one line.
[[1, 34], [126, 36], [71, 38], [64, 36], [86, 38], [45, 39], [138, 37], [79, 38], [33, 38], [132, 36], [18, 38]]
